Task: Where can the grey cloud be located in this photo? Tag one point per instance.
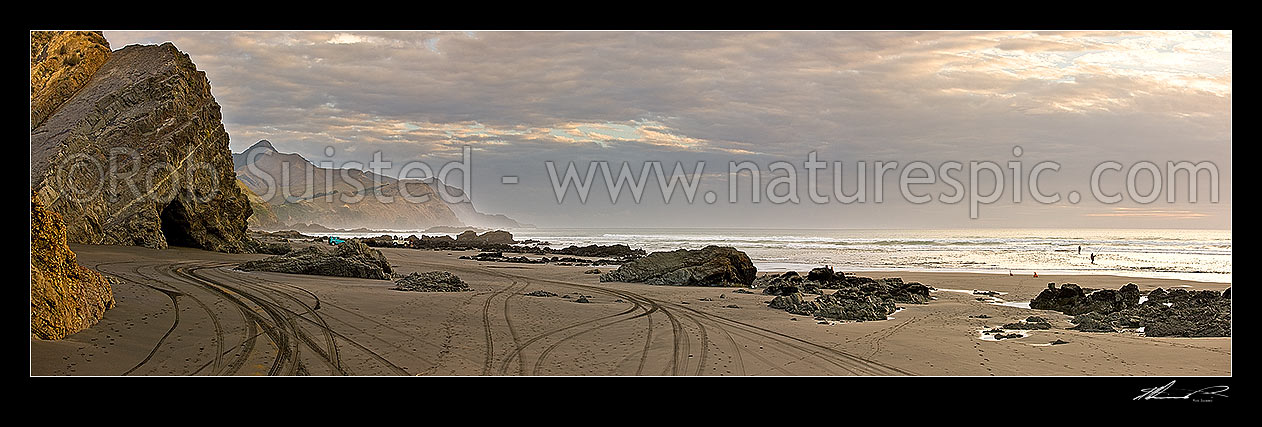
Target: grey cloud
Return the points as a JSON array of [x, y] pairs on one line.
[[748, 96]]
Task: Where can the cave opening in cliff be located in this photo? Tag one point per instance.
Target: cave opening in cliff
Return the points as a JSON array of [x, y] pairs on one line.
[[175, 225]]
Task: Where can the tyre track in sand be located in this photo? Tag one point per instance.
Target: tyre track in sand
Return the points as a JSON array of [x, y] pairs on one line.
[[318, 321]]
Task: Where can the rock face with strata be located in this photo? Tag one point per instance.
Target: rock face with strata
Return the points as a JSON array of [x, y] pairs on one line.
[[65, 296], [139, 156], [350, 259], [710, 266], [62, 62]]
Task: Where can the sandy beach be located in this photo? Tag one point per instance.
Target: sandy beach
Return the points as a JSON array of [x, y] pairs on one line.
[[184, 311]]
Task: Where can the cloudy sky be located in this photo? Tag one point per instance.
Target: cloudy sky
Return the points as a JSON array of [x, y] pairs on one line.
[[520, 99]]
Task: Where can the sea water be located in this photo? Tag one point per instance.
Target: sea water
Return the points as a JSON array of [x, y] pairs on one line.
[[1196, 255]]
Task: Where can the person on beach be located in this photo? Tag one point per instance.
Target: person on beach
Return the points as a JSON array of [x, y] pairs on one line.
[[1093, 258], [1079, 249]]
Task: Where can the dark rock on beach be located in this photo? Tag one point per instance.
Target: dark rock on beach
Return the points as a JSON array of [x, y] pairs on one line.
[[1072, 300], [433, 281], [1176, 313], [350, 259], [821, 278], [1028, 324], [710, 266], [855, 299], [503, 242], [844, 304]]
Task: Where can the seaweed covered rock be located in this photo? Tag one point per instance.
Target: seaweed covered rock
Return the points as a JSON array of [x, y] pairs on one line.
[[65, 296], [350, 259], [710, 266], [433, 281]]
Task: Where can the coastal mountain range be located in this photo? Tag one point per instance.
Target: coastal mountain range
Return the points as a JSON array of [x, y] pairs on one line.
[[287, 189]]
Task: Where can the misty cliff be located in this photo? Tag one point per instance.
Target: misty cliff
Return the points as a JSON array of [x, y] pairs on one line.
[[298, 191]]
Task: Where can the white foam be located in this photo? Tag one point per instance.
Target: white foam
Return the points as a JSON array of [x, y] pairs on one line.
[[1017, 304]]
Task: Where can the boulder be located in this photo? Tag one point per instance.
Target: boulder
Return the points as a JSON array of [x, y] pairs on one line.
[[65, 296], [1068, 299], [824, 274], [139, 156], [433, 281], [710, 266], [350, 259]]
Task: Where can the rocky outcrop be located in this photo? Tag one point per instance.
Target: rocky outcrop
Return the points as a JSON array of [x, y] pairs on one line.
[[845, 304], [1072, 300], [821, 278], [1177, 313], [856, 298], [62, 62], [350, 259], [65, 296], [710, 266], [433, 281], [139, 156]]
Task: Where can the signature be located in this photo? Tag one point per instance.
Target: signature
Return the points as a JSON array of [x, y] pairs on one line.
[[1165, 392]]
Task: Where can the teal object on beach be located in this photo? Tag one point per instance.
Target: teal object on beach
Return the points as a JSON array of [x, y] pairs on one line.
[[334, 240]]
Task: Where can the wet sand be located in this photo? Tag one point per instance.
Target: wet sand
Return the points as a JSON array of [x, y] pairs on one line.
[[187, 312]]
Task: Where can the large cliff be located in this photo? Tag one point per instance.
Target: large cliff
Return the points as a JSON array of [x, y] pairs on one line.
[[65, 296], [138, 155]]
